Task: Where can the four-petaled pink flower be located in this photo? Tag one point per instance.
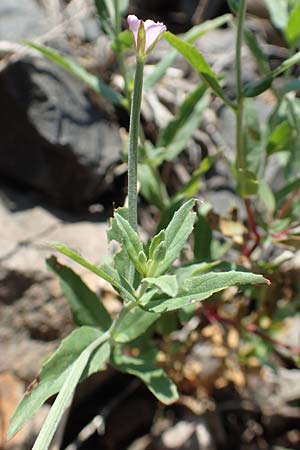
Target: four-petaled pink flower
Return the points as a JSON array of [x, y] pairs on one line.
[[145, 34]]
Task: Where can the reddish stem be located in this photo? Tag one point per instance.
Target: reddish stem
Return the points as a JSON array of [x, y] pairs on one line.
[[282, 233], [253, 229], [286, 206]]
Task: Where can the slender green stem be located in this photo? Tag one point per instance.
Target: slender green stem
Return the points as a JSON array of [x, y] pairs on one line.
[[240, 98], [133, 144], [240, 156], [118, 320]]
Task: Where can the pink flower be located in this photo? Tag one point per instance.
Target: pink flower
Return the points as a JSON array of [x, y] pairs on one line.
[[145, 34]]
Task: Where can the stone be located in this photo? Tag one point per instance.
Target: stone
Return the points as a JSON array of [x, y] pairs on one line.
[[21, 19], [54, 138], [34, 315], [81, 20], [218, 48]]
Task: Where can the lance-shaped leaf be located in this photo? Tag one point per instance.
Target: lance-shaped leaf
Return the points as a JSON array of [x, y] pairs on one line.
[[190, 36], [176, 235], [144, 368], [56, 370], [186, 109], [106, 272], [155, 242], [197, 61], [85, 305], [134, 324], [121, 259], [257, 87], [279, 12], [152, 187], [186, 123], [63, 399], [200, 288], [247, 183], [132, 244], [166, 283], [292, 31], [192, 270]]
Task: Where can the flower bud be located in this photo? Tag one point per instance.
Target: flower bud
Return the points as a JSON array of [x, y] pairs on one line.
[[145, 34]]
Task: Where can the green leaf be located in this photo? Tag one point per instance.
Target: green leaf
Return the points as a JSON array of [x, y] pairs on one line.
[[185, 131], [122, 262], [191, 188], [63, 400], [280, 138], [166, 283], [266, 196], [151, 186], [184, 272], [293, 85], [256, 88], [286, 190], [157, 252], [105, 14], [176, 235], [114, 233], [155, 242], [197, 61], [132, 243], [56, 370], [254, 137], [191, 36], [84, 303], [292, 31], [134, 324], [279, 13], [233, 5], [79, 72], [168, 134], [247, 183], [106, 272], [123, 42], [200, 288], [144, 368], [202, 235], [257, 52], [290, 62], [167, 323]]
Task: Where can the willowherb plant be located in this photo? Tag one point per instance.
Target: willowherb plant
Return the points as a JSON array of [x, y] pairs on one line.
[[144, 277]]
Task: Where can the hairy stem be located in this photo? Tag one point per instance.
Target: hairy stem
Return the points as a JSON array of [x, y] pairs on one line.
[[133, 144], [134, 128], [240, 157]]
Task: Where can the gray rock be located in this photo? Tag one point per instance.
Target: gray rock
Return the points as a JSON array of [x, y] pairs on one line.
[[21, 19], [81, 20], [53, 138], [218, 48], [34, 315]]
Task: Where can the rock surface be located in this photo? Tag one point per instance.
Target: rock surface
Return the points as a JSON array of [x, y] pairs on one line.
[[21, 19], [54, 139], [33, 313]]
